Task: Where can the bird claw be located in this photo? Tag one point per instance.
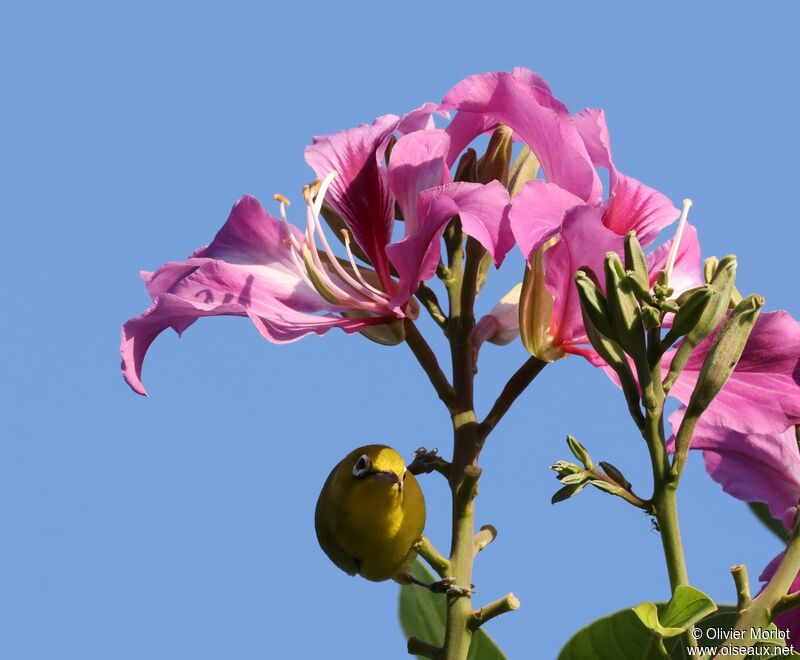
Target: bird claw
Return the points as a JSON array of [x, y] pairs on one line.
[[427, 461], [449, 587]]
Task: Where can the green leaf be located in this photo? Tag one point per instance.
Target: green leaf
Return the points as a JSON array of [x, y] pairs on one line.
[[686, 607], [648, 615], [423, 615], [721, 620], [761, 512], [621, 636]]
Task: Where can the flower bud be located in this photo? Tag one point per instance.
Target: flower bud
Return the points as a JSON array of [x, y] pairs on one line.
[[579, 452], [593, 303], [467, 168], [494, 163], [501, 325], [689, 314], [635, 262], [724, 353], [651, 317], [721, 285], [536, 310], [626, 318], [605, 486], [563, 468], [524, 169]]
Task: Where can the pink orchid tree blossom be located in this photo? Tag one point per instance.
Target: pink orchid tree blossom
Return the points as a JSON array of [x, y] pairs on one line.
[[289, 282]]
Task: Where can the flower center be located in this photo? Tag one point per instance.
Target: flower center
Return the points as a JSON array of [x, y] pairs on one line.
[[320, 268]]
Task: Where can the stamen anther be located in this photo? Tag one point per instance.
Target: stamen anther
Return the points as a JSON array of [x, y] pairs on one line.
[[280, 198]]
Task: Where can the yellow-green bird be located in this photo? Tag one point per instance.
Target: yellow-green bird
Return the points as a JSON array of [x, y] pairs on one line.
[[370, 514]]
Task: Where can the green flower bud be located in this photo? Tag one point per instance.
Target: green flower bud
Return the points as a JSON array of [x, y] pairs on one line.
[[524, 169], [626, 318], [593, 303], [579, 452], [563, 468], [635, 262], [651, 317], [605, 486], [570, 479], [724, 353], [689, 314], [536, 310], [721, 286]]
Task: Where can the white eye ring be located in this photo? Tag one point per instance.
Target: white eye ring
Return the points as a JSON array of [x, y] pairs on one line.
[[362, 466]]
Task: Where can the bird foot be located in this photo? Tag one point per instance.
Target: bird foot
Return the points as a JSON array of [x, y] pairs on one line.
[[427, 461], [449, 587]]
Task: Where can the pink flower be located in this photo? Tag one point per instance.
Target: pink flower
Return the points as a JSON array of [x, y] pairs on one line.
[[568, 206], [290, 283]]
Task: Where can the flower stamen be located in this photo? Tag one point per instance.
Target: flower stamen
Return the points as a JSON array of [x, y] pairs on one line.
[[673, 251]]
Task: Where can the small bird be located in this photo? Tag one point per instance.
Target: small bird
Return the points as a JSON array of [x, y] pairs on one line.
[[371, 514]]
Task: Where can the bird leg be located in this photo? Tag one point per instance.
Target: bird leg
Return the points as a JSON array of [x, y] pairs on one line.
[[445, 586], [427, 461]]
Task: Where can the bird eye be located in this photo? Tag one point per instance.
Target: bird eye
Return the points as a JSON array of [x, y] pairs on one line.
[[362, 466]]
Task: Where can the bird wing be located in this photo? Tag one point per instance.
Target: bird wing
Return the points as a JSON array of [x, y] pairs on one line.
[[325, 524]]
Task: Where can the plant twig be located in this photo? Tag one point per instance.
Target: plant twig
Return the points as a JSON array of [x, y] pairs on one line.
[[427, 297], [431, 555], [427, 360], [507, 603], [419, 647], [514, 387], [484, 537], [742, 582]]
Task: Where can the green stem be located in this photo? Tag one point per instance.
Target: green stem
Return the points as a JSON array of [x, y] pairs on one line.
[[667, 516], [768, 604], [514, 387], [427, 360]]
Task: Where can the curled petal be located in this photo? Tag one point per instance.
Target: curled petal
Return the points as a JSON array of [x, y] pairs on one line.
[[482, 212], [417, 163], [753, 467], [220, 289], [631, 205], [763, 393], [527, 107], [536, 213]]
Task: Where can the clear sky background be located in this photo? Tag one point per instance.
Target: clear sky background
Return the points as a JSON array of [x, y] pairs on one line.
[[181, 526]]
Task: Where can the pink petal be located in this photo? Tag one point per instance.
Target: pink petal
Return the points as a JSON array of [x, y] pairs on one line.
[[631, 205], [584, 241], [763, 393], [634, 206], [536, 213], [220, 289], [753, 467], [360, 193], [482, 212], [532, 113], [687, 272], [789, 620], [417, 163]]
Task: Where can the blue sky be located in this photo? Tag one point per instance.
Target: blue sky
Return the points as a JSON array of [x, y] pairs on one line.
[[180, 526]]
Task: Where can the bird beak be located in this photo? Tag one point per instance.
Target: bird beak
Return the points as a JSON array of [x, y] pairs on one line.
[[389, 476]]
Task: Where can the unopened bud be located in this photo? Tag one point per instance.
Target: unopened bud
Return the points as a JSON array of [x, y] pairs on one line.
[[501, 325], [467, 168], [635, 262], [494, 163], [689, 314], [724, 353], [593, 303], [579, 452], [524, 169], [605, 486], [626, 318], [536, 310], [570, 479], [721, 285], [651, 317]]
